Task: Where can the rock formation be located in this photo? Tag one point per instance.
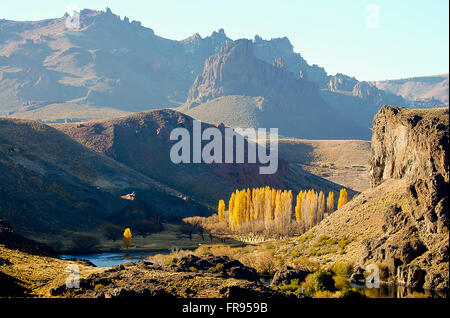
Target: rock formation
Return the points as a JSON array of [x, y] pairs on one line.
[[401, 223], [413, 145], [236, 71], [191, 276], [293, 105]]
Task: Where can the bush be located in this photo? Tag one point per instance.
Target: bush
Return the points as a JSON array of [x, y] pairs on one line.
[[341, 283], [193, 269], [220, 267], [417, 295], [293, 287], [319, 281], [345, 241], [98, 287], [324, 294], [342, 269], [171, 261]]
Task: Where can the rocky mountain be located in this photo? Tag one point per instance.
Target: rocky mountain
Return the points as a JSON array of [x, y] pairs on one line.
[[109, 66], [402, 221], [51, 183], [423, 91], [105, 62], [142, 142], [272, 96], [282, 49]]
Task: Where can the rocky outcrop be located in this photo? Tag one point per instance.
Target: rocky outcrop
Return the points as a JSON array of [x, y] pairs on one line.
[[191, 276], [240, 90], [236, 71], [374, 96], [286, 274], [341, 82], [412, 145]]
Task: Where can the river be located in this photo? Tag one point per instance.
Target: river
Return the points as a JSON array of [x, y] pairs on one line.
[[110, 259]]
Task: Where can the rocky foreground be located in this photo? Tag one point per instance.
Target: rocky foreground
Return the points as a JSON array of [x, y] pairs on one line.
[[191, 277]]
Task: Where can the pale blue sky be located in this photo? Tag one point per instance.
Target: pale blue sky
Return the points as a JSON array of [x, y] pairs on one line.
[[412, 38]]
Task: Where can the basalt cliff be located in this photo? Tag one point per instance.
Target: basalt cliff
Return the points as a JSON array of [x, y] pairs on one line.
[[401, 223]]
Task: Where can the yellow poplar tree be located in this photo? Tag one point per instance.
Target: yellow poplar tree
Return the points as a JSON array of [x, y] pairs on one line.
[[237, 210], [127, 237], [342, 198], [330, 202], [221, 210], [231, 208]]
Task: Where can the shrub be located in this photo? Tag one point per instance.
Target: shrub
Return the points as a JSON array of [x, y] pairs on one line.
[[342, 269], [345, 241], [220, 267], [171, 261], [324, 294], [323, 281], [341, 283], [320, 280], [417, 295], [98, 287], [293, 287], [193, 269]]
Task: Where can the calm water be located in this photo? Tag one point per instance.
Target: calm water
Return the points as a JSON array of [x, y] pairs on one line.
[[392, 291], [110, 259]]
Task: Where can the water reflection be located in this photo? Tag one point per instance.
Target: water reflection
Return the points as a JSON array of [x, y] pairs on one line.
[[392, 291]]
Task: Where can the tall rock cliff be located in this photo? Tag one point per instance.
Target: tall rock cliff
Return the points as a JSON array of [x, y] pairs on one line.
[[236, 71], [413, 146], [402, 221]]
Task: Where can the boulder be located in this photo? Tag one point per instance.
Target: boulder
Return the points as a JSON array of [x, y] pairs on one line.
[[285, 275]]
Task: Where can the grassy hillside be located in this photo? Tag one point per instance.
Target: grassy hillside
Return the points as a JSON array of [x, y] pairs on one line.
[[340, 161], [49, 182], [419, 88], [61, 112], [141, 141], [259, 112]]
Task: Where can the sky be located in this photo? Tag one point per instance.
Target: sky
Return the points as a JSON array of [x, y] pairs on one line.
[[368, 39]]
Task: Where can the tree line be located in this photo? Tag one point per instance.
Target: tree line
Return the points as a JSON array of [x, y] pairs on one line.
[[273, 210]]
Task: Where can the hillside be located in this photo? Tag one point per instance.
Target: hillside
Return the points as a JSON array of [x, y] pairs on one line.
[[141, 141], [62, 185], [424, 90], [402, 221], [234, 83], [343, 162]]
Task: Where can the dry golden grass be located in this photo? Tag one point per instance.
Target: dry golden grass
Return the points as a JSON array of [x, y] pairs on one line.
[[38, 274], [341, 161]]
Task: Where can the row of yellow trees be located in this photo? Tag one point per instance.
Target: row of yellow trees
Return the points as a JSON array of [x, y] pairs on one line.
[[274, 210]]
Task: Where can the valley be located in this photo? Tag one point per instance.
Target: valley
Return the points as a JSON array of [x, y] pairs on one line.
[[108, 188]]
